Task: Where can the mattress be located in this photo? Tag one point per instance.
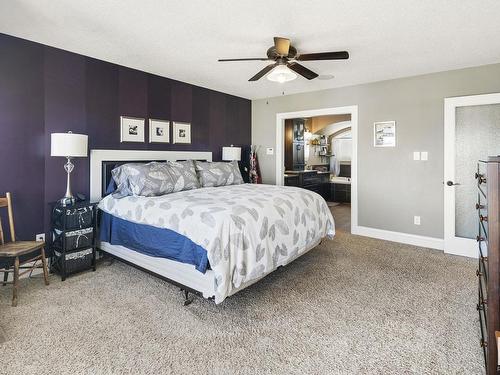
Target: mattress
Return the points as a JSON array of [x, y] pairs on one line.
[[247, 230]]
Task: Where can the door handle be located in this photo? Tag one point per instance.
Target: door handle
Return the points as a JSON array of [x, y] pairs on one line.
[[451, 183]]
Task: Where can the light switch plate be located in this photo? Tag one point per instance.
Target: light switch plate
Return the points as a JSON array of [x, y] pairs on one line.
[[270, 151], [416, 220], [424, 155], [416, 155]]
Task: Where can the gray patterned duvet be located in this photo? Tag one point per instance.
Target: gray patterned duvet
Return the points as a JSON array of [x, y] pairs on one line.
[[248, 230]]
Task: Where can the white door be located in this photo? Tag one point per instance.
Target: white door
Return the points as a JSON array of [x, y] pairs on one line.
[[471, 133]]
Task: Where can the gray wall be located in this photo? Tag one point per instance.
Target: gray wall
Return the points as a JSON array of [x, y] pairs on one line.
[[392, 188]]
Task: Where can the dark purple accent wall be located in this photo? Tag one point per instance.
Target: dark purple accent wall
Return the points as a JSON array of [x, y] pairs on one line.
[[45, 90]]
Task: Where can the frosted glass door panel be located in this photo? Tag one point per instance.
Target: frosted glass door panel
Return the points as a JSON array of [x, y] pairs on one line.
[[477, 136]]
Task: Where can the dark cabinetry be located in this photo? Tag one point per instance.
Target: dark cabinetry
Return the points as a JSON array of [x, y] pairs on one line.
[[294, 144], [299, 128], [288, 144], [292, 180], [298, 156], [340, 193], [488, 207], [310, 180]]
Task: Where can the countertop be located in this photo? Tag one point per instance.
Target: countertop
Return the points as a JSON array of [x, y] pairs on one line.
[[307, 171], [331, 180], [299, 172], [340, 180]]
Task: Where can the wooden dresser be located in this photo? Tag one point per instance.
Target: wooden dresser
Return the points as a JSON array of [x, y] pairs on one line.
[[488, 207]]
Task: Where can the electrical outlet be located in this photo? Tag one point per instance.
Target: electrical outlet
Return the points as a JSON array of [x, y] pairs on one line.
[[40, 237], [416, 155], [416, 220], [424, 155]]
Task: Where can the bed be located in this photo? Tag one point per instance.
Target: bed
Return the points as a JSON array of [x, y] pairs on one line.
[[213, 241]]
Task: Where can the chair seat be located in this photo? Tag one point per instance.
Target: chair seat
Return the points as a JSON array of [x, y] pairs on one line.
[[18, 248]]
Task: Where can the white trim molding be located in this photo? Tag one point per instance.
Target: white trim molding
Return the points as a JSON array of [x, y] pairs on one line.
[[452, 244], [280, 147], [406, 238], [98, 156]]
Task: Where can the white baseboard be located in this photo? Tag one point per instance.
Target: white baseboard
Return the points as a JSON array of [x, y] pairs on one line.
[[406, 238], [467, 254]]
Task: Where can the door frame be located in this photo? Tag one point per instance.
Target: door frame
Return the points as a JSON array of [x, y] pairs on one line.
[[280, 148], [452, 244]]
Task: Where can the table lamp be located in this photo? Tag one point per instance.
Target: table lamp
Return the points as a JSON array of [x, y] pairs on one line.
[[68, 145], [231, 153]]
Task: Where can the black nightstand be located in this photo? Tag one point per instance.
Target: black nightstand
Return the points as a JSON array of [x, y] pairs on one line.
[[72, 238]]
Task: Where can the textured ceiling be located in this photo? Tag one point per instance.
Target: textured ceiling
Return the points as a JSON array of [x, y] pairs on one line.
[[183, 39]]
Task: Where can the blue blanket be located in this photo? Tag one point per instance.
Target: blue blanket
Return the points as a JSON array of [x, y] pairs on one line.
[[152, 241]]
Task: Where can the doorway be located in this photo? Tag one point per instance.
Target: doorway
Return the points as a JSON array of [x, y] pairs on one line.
[[318, 155], [471, 133]]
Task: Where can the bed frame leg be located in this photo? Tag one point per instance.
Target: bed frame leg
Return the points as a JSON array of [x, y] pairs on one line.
[[187, 298]]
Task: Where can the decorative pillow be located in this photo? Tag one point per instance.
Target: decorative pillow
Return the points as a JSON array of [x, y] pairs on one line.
[[111, 186], [153, 179], [183, 173], [218, 173], [148, 180]]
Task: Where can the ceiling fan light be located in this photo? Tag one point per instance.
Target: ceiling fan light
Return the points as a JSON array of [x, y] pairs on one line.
[[281, 74]]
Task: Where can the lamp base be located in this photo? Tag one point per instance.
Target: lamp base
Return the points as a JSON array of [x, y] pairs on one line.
[[67, 201], [68, 197]]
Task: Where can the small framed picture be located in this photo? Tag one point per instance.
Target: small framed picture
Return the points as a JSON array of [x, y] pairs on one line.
[[131, 129], [384, 134], [159, 131], [182, 132]]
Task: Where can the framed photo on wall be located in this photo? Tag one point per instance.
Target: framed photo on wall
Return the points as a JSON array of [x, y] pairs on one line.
[[159, 131], [384, 134], [182, 132], [131, 129]]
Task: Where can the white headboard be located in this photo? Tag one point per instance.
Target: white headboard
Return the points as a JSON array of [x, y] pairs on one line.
[[98, 156]]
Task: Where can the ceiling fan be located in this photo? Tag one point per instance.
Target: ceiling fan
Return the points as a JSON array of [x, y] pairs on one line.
[[285, 59]]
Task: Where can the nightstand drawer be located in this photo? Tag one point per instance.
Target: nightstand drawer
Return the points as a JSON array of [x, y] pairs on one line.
[[68, 218], [74, 239], [76, 261]]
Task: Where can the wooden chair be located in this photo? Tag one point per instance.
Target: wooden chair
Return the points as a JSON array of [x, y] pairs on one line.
[[18, 250]]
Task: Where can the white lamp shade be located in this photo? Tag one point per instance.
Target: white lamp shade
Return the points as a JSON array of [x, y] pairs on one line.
[[281, 74], [231, 153], [68, 145]]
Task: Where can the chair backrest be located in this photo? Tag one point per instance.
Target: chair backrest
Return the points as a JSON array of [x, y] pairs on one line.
[[7, 202]]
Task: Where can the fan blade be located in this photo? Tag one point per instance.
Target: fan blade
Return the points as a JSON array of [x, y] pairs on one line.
[[249, 59], [282, 45], [302, 70], [341, 55], [263, 72]]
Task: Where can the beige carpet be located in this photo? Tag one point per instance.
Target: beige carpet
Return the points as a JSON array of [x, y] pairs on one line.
[[351, 306], [342, 214]]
